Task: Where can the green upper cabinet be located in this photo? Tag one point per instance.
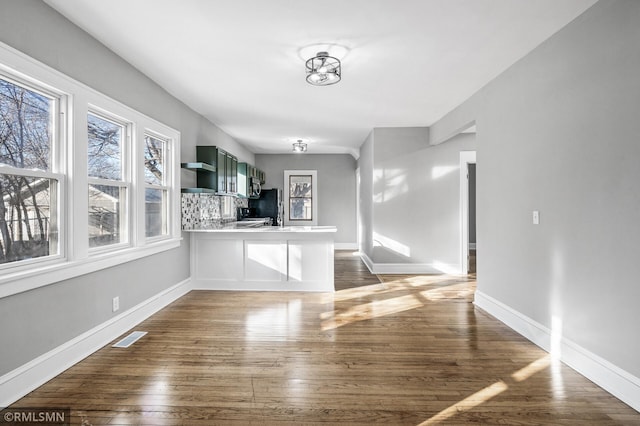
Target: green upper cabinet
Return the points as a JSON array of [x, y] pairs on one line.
[[217, 171], [249, 180], [221, 164], [243, 180], [206, 177], [232, 174]]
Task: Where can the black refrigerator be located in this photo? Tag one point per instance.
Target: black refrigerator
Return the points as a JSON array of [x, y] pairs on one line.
[[268, 204]]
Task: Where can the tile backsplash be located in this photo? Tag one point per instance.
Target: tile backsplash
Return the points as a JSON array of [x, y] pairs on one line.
[[202, 210]]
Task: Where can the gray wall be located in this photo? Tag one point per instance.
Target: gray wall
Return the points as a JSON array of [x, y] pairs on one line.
[[415, 192], [40, 320], [336, 186], [558, 133], [365, 196]]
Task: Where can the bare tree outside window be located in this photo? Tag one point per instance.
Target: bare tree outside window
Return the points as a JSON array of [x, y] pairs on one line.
[[25, 129], [28, 195], [104, 148], [300, 197], [107, 189], [300, 200], [71, 200], [154, 160], [156, 190]]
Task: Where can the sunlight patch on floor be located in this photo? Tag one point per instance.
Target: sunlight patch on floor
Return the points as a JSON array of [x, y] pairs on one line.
[[444, 287], [355, 292], [531, 369], [489, 392], [367, 311], [459, 291], [468, 403]]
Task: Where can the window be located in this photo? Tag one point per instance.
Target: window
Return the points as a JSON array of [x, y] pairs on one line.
[[29, 173], [300, 197], [156, 191], [82, 188], [108, 187]]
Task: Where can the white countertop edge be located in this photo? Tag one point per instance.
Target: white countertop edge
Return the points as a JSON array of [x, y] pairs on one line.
[[269, 229]]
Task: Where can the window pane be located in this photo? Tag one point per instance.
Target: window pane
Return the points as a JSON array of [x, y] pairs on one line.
[[105, 148], [25, 127], [106, 206], [155, 212], [300, 209], [27, 229], [154, 160], [300, 186]]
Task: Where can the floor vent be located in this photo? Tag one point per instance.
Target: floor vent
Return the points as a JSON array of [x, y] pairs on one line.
[[130, 339]]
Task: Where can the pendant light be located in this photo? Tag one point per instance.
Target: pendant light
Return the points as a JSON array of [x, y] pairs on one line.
[[323, 70], [299, 146]]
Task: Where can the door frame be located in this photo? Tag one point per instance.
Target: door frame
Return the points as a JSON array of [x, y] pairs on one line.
[[466, 158]]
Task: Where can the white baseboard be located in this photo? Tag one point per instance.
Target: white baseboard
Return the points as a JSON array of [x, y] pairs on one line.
[[345, 246], [24, 379], [620, 383], [408, 268], [367, 262]]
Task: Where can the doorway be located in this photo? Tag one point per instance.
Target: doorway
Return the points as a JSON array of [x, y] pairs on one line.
[[471, 269], [468, 244]]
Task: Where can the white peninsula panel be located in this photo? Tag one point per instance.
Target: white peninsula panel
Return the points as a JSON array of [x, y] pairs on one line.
[[308, 260], [265, 260], [295, 258], [223, 259]]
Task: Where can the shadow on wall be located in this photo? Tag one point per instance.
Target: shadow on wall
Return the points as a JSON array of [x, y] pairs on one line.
[[389, 184], [396, 192]]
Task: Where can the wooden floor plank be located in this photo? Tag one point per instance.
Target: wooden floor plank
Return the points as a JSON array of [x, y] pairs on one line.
[[389, 349]]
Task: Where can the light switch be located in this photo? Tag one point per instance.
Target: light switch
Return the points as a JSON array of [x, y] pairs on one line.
[[536, 217]]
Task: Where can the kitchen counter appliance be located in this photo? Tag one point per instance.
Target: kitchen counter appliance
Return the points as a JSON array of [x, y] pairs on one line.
[[268, 205]]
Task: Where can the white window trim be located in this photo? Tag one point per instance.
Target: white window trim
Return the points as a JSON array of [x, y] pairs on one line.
[[124, 182], [57, 166], [168, 178], [74, 258]]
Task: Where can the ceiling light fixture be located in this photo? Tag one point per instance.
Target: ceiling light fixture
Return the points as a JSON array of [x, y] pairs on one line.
[[323, 70], [299, 146]]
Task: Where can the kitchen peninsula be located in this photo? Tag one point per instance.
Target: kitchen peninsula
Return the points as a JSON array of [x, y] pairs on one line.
[[266, 258]]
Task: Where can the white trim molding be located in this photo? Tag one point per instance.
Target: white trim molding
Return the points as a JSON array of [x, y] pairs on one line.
[[435, 268], [24, 379], [20, 282], [466, 158], [613, 379]]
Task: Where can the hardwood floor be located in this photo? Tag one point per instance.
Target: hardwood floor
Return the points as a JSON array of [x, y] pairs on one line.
[[410, 350], [349, 271]]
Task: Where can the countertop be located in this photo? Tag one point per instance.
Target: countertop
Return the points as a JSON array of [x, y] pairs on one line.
[[238, 227]]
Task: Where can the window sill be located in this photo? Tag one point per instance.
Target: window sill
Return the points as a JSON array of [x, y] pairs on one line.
[[40, 276]]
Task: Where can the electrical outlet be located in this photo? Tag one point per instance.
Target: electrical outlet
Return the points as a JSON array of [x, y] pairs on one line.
[[536, 217], [115, 303]]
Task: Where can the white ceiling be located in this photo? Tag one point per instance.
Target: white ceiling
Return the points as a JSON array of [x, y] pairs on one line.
[[240, 63]]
